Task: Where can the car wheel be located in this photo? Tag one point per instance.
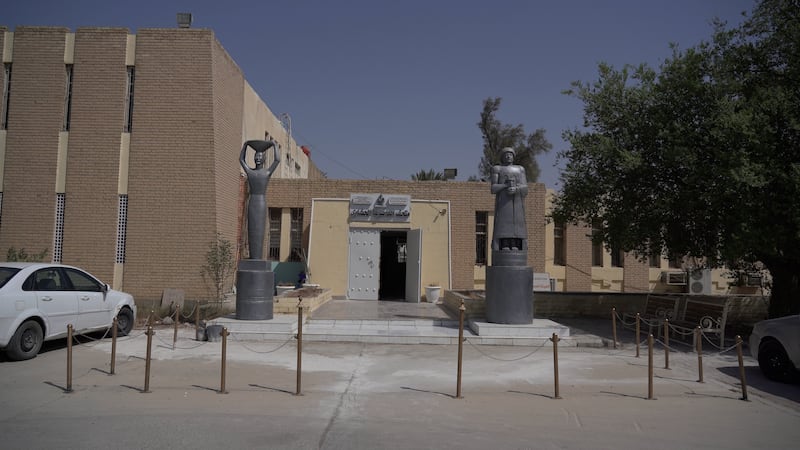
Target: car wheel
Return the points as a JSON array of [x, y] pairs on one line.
[[124, 321], [26, 342], [774, 362]]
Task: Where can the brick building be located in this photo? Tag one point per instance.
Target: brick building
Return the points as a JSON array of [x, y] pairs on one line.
[[119, 153]]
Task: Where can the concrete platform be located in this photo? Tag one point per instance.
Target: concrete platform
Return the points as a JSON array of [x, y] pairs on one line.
[[386, 322]]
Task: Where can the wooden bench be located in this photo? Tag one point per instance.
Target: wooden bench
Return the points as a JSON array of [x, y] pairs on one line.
[[656, 309], [709, 315]]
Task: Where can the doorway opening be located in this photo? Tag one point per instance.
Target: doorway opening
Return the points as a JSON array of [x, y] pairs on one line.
[[393, 265]]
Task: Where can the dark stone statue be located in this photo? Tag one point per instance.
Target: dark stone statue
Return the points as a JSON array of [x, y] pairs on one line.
[[509, 279], [257, 179], [255, 280]]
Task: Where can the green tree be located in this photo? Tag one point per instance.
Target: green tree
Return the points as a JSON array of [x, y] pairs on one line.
[[428, 175], [700, 158], [497, 136], [21, 255], [219, 265]]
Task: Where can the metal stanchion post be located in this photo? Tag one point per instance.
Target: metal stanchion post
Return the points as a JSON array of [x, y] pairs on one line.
[[650, 367], [150, 318], [299, 345], [638, 329], [196, 319], [698, 346], [149, 334], [113, 345], [69, 359], [177, 319], [555, 340], [666, 343], [741, 367], [224, 335], [461, 310], [614, 326]]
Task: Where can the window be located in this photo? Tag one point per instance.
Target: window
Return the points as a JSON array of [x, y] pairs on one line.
[[296, 236], [68, 99], [122, 228], [58, 238], [675, 262], [597, 247], [655, 261], [617, 258], [481, 237], [6, 96], [274, 234], [559, 244], [82, 282], [129, 99]]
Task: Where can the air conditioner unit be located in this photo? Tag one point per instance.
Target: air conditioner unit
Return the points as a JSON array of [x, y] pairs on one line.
[[674, 278], [753, 279], [700, 281]]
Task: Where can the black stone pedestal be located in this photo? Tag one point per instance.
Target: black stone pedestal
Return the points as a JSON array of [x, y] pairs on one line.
[[255, 283], [509, 294]]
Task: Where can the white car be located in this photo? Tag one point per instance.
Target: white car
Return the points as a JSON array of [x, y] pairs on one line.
[[39, 300], [775, 343]]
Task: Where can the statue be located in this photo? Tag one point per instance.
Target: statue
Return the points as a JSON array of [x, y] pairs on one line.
[[255, 280], [257, 180], [509, 279], [510, 188]]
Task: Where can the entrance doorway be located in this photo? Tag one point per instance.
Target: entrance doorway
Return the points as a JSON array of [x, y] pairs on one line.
[[393, 266]]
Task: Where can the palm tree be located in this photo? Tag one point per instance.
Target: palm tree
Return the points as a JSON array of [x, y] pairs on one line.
[[428, 175]]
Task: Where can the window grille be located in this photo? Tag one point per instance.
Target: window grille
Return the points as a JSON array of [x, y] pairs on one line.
[[274, 234], [296, 236], [559, 245], [122, 228], [58, 238], [481, 238]]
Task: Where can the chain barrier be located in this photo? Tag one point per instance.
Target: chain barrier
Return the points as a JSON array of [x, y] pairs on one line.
[[91, 342], [642, 320], [170, 344], [242, 343], [189, 316], [505, 360]]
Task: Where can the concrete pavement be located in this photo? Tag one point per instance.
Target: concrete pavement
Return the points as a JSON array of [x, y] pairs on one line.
[[362, 395]]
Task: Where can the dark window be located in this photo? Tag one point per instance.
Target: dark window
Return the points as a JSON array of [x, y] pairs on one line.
[[6, 96], [617, 258], [68, 99], [6, 273], [559, 244], [481, 238], [82, 282], [296, 236], [129, 100], [655, 261], [47, 280], [675, 262], [275, 234], [597, 247]]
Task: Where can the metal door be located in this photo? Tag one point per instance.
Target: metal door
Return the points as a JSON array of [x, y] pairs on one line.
[[413, 264], [364, 264]]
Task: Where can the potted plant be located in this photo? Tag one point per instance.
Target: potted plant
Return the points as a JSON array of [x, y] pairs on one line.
[[432, 292]]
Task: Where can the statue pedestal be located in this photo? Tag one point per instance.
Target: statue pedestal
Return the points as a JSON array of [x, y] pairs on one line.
[[255, 283], [509, 288]]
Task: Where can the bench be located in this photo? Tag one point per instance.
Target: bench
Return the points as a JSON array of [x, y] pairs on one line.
[[656, 309], [709, 316]]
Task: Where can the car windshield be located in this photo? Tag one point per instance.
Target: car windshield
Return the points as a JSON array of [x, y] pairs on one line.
[[6, 273]]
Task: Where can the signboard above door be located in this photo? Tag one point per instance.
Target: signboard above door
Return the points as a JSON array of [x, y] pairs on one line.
[[380, 208]]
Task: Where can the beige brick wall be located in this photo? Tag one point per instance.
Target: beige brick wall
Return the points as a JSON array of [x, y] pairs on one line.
[[35, 117], [636, 276], [465, 198], [172, 200], [99, 80], [578, 271]]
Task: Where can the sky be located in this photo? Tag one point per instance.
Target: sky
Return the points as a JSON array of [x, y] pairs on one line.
[[382, 89]]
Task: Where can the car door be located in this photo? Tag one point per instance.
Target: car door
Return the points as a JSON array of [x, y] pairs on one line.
[[55, 299], [93, 308]]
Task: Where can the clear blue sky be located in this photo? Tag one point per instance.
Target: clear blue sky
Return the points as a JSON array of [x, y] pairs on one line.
[[382, 89]]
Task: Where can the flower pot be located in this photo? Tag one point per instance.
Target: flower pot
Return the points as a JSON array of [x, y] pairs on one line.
[[432, 293]]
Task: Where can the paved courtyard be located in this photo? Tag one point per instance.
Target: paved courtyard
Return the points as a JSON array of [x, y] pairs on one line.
[[361, 395]]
